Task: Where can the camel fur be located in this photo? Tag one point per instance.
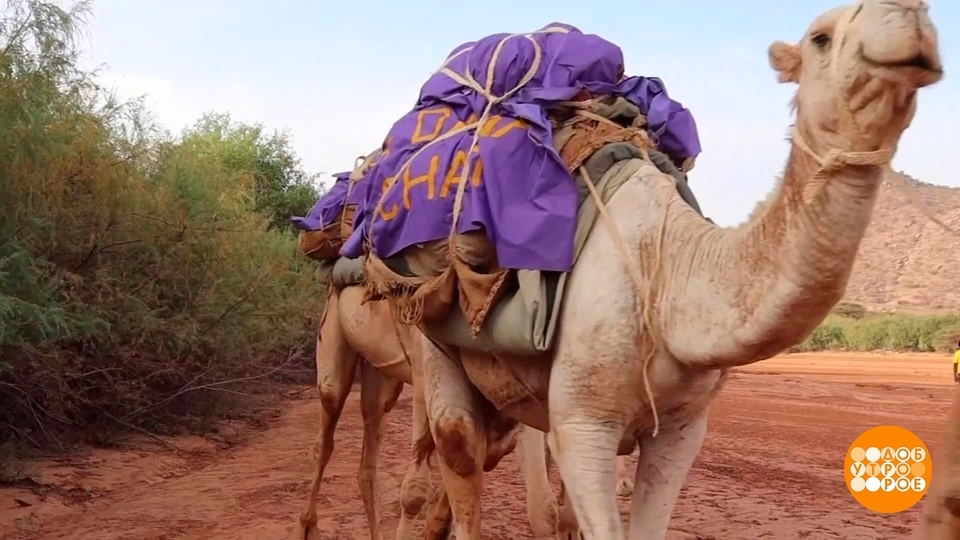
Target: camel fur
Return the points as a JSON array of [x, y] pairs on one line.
[[631, 356], [351, 329], [941, 515]]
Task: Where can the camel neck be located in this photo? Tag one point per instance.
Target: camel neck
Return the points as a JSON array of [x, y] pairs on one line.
[[805, 242]]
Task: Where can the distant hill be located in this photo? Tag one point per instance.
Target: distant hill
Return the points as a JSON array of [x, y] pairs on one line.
[[907, 262]]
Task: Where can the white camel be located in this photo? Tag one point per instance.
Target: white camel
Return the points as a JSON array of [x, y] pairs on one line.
[[646, 341]]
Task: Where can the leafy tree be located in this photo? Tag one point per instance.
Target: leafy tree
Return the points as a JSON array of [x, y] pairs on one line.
[[280, 186]]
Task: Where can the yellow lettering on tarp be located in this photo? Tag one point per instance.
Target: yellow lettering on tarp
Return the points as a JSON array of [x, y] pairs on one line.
[[456, 171], [392, 213], [512, 125], [441, 114], [472, 119], [477, 173], [490, 129], [495, 127], [491, 126], [430, 179], [453, 173]]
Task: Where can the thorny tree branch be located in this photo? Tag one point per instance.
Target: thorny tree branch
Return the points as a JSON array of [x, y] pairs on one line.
[[15, 36], [12, 236], [241, 300], [189, 387], [138, 429]]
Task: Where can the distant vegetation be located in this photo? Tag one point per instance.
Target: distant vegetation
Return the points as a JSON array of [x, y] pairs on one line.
[[852, 328], [142, 275]]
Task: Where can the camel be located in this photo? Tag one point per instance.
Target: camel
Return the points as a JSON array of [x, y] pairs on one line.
[[664, 303], [349, 330], [941, 515]]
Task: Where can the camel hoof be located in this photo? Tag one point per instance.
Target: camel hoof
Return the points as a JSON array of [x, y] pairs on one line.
[[625, 487]]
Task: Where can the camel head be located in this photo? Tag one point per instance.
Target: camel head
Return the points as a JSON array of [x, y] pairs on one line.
[[858, 69]]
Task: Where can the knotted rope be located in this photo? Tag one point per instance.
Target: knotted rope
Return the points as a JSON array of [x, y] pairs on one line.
[[836, 159], [361, 165], [468, 80], [645, 295]]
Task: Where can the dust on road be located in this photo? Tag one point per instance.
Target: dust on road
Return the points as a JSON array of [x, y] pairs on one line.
[[771, 467]]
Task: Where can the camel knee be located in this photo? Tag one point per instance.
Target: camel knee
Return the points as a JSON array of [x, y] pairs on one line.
[[414, 496], [457, 440], [366, 477], [414, 489], [331, 396]]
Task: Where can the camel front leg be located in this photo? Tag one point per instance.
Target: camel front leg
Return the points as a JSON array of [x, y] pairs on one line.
[[458, 428], [378, 394], [585, 450], [336, 365], [941, 516], [586, 427], [542, 508], [662, 470], [567, 527]]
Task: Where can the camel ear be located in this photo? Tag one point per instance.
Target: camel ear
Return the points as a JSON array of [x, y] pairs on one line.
[[785, 60]]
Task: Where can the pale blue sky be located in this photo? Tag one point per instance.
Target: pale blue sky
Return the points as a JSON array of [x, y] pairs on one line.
[[337, 75]]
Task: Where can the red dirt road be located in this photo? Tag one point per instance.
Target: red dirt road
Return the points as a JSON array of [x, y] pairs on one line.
[[771, 467]]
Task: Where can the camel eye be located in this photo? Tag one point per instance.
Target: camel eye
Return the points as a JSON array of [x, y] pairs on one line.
[[820, 40]]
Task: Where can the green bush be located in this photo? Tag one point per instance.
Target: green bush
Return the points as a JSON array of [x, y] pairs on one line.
[[828, 336], [850, 310], [886, 332], [946, 338], [138, 271]]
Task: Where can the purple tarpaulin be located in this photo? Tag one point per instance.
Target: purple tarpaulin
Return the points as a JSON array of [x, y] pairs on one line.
[[520, 191], [328, 207]]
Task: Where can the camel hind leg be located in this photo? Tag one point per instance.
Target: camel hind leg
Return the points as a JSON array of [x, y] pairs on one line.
[[416, 482], [542, 510], [439, 524], [336, 365], [458, 429], [378, 395]]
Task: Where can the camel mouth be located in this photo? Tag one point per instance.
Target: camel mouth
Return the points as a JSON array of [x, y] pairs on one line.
[[922, 69], [922, 62]]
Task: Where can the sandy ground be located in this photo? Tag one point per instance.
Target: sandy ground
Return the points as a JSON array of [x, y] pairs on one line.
[[771, 467]]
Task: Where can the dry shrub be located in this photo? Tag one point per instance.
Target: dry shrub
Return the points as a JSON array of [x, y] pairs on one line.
[[139, 272]]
